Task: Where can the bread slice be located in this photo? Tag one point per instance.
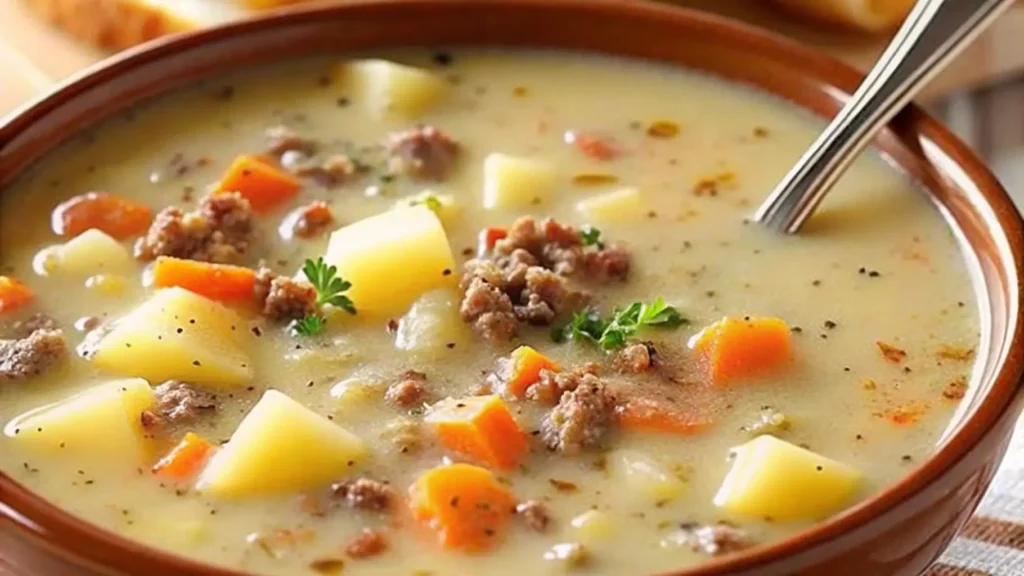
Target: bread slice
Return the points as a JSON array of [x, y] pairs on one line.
[[862, 15], [119, 24]]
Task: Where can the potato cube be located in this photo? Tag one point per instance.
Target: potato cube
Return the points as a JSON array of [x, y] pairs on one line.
[[625, 205], [281, 446], [512, 182], [178, 335], [442, 204], [773, 478], [104, 421], [646, 477], [593, 526], [93, 252], [391, 259], [391, 88], [433, 327], [357, 392]]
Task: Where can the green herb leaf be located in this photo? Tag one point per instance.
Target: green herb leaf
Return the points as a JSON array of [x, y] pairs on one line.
[[433, 203], [658, 313], [309, 326], [585, 325], [623, 324], [328, 285], [590, 236]]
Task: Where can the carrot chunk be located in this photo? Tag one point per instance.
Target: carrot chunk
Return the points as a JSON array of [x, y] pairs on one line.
[[526, 364], [646, 415], [481, 427], [118, 217], [743, 347], [262, 183], [185, 459], [13, 294], [490, 236], [594, 147], [464, 505], [215, 281]]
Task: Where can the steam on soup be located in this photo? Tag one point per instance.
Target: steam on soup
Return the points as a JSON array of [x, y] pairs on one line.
[[479, 313]]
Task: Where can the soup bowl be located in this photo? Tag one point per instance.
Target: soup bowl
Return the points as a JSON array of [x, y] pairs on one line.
[[900, 530]]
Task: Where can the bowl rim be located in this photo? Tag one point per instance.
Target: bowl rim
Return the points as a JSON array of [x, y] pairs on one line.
[[60, 531]]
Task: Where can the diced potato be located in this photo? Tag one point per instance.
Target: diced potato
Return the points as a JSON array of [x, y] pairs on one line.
[[512, 182], [433, 326], [392, 88], [443, 205], [104, 421], [593, 526], [281, 446], [391, 259], [106, 284], [92, 252], [356, 392], [646, 477], [178, 335], [623, 205], [773, 478]]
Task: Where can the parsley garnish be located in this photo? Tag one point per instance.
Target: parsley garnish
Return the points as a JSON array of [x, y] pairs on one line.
[[615, 331], [309, 325], [433, 203], [590, 236], [329, 287]]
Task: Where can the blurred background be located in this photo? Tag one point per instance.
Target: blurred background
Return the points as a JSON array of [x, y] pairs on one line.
[[981, 95]]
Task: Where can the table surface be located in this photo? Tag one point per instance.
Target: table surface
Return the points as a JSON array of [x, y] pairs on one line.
[[33, 57]]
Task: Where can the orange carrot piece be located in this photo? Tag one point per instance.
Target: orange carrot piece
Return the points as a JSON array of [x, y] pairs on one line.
[[526, 364], [464, 505], [185, 459], [215, 281], [262, 183], [645, 415], [490, 236], [743, 347], [481, 427], [13, 294], [119, 217], [594, 147]]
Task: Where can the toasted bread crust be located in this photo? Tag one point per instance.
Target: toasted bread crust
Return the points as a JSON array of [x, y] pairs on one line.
[[862, 15], [110, 24]]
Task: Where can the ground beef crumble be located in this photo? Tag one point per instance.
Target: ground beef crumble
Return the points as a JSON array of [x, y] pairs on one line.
[[488, 310], [535, 515], [182, 402], [525, 277], [312, 219], [27, 357], [283, 299], [281, 139], [219, 230], [713, 539], [410, 391], [635, 358], [37, 321], [424, 153], [368, 544], [329, 172], [550, 386], [364, 494], [580, 420]]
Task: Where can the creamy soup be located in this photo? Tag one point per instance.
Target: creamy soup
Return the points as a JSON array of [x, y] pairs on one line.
[[477, 313]]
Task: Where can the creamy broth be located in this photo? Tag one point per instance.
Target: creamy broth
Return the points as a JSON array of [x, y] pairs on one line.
[[876, 264]]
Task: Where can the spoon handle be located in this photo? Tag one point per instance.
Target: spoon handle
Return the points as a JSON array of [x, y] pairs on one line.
[[932, 34]]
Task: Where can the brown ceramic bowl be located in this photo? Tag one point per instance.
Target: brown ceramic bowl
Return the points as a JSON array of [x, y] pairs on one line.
[[899, 531]]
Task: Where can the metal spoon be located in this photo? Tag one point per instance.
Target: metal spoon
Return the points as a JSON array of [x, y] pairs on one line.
[[934, 32]]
